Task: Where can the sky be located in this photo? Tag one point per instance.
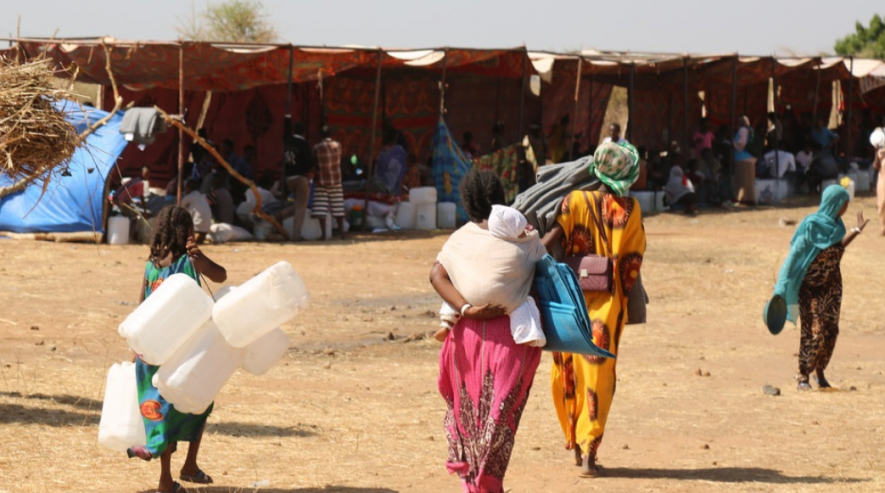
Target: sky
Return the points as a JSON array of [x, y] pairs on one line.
[[751, 27]]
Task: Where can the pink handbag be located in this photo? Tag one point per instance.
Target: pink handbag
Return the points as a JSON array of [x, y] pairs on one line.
[[594, 271]]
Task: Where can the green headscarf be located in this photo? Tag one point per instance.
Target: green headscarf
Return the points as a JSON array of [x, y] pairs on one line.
[[815, 233], [616, 166]]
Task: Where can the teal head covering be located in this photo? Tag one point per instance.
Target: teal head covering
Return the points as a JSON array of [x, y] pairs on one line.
[[616, 166], [815, 234]]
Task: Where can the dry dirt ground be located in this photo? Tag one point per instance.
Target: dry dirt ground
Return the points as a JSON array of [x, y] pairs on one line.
[[353, 407]]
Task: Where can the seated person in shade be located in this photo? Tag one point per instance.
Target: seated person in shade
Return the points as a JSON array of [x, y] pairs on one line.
[[221, 200], [614, 135], [711, 169], [822, 136], [680, 190], [413, 174], [642, 182], [198, 207], [244, 166], [391, 165], [781, 164], [805, 157], [469, 147]]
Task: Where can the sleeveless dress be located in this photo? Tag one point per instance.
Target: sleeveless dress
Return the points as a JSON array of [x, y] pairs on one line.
[[164, 426]]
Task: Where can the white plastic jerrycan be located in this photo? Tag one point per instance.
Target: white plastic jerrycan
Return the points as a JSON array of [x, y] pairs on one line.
[[193, 376], [263, 303], [169, 317], [121, 424], [262, 354]]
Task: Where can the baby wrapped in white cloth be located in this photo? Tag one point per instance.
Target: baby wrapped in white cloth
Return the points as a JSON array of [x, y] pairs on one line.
[[505, 223]]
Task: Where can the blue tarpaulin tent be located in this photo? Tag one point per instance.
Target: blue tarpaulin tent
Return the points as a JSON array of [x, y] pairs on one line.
[[71, 203]]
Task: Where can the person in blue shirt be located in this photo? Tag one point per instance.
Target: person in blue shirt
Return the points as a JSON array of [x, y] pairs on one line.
[[823, 136]]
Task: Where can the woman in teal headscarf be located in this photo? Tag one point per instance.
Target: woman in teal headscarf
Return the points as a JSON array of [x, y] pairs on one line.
[[811, 280]]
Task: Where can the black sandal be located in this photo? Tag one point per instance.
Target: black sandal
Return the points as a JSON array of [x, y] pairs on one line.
[[199, 478]]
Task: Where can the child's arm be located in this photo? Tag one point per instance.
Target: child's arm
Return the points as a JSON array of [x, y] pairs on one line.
[[203, 264]]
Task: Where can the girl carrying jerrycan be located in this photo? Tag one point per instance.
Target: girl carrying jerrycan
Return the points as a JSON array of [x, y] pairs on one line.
[[173, 251]]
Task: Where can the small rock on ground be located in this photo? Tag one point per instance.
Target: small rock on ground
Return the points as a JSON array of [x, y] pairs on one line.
[[771, 390]]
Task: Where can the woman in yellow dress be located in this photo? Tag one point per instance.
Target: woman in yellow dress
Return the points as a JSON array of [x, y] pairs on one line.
[[583, 386]]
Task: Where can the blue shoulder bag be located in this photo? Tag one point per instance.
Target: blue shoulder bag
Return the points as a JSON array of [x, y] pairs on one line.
[[563, 311]]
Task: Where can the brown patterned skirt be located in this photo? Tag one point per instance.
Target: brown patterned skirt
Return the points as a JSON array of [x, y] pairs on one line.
[[820, 303]]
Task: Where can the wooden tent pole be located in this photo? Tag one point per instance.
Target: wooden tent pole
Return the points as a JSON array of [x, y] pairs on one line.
[[575, 113], [521, 129], [590, 143], [442, 84], [848, 146], [685, 106], [816, 92], [289, 113], [734, 83], [630, 97], [371, 166], [776, 146], [181, 115]]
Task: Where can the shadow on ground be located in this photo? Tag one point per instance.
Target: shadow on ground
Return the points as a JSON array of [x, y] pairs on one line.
[[235, 429], [726, 475], [326, 489]]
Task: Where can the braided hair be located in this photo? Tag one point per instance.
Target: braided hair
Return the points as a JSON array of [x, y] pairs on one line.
[[174, 226], [479, 191]]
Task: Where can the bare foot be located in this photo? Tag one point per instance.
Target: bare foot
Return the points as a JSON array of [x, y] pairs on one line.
[[822, 380], [589, 469], [579, 459]]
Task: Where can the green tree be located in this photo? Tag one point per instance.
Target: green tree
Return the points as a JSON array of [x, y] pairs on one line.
[[240, 21], [865, 41]]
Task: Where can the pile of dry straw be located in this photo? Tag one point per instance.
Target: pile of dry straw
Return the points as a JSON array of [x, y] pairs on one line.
[[34, 136]]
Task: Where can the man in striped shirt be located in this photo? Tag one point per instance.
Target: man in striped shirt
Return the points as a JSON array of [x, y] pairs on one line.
[[328, 195]]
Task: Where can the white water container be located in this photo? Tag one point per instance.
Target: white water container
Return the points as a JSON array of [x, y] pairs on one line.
[[862, 179], [118, 230], [660, 202], [192, 377], [422, 195], [646, 201], [425, 216], [262, 354], [121, 424], [824, 184], [263, 303], [405, 215], [445, 215], [167, 319]]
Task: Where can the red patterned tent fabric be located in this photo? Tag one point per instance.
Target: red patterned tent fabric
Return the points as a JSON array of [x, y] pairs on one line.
[[247, 117], [558, 98]]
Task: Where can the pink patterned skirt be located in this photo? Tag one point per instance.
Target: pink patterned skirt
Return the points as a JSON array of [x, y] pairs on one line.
[[485, 378]]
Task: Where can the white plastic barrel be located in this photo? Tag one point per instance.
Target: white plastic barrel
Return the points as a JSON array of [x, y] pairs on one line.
[[646, 201], [192, 378], [445, 215], [167, 319], [118, 230], [425, 216], [405, 215], [310, 228], [263, 303], [262, 354], [121, 424], [862, 180], [422, 195], [660, 202]]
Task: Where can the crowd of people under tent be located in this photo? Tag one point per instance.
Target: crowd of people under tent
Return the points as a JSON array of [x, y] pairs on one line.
[[717, 169]]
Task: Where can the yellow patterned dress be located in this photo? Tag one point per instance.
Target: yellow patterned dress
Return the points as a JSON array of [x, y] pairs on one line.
[[583, 386]]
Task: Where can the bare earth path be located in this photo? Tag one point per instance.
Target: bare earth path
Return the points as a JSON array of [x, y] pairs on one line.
[[349, 410]]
